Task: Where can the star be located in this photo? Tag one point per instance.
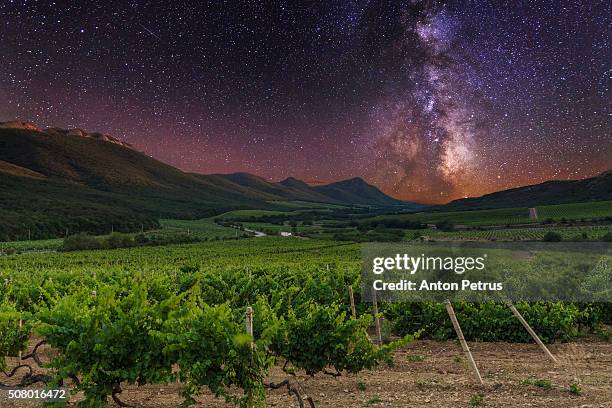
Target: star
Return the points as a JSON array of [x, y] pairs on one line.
[[420, 98]]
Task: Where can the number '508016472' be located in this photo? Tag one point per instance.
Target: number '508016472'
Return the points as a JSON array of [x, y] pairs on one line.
[[41, 394]]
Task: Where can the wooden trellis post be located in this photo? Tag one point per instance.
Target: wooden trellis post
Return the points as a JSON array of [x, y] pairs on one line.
[[249, 321], [20, 327], [531, 332], [249, 330], [464, 345], [352, 299], [376, 318]]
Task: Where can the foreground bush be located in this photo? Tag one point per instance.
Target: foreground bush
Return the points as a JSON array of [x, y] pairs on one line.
[[106, 339], [495, 322], [12, 337], [211, 349], [315, 337], [131, 333]]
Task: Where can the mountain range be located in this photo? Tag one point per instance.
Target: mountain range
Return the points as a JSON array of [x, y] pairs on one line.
[[54, 181], [68, 178]]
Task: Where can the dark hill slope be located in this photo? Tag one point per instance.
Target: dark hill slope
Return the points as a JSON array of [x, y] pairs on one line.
[[550, 192], [257, 187], [110, 167], [50, 182], [47, 208], [14, 170], [57, 179], [357, 191], [301, 189], [255, 184]]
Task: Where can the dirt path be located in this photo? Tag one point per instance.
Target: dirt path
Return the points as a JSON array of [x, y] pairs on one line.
[[435, 374]]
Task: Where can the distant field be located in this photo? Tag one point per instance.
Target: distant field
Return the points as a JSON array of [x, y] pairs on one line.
[[39, 245], [291, 211], [576, 211], [208, 229], [306, 204], [251, 213], [276, 228], [479, 217], [509, 216], [594, 233], [500, 216], [204, 228], [201, 229]]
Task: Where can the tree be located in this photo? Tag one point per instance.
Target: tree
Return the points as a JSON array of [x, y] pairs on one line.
[[552, 236]]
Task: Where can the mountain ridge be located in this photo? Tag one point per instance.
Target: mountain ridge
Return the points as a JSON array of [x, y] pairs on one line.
[[596, 188], [356, 191], [66, 179]]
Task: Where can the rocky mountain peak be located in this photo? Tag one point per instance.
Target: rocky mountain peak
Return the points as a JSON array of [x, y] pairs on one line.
[[18, 124], [93, 135]]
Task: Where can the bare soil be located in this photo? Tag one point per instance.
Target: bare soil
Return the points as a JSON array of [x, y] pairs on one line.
[[435, 374]]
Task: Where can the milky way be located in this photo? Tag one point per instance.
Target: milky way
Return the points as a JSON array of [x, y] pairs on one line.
[[428, 100], [454, 129], [429, 133]]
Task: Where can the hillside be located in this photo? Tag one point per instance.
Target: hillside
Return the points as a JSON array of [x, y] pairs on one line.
[[289, 189], [356, 191], [55, 179], [598, 188], [48, 208]]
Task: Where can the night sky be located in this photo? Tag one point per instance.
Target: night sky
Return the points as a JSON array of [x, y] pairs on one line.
[[429, 101]]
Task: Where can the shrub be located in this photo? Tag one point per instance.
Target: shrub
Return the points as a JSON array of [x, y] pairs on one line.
[[607, 237], [118, 240], [445, 226], [141, 239], [210, 349], [552, 236], [80, 242], [386, 330]]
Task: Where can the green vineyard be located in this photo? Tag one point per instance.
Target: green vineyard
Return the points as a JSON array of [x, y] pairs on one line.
[[576, 211], [587, 233], [178, 313]]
